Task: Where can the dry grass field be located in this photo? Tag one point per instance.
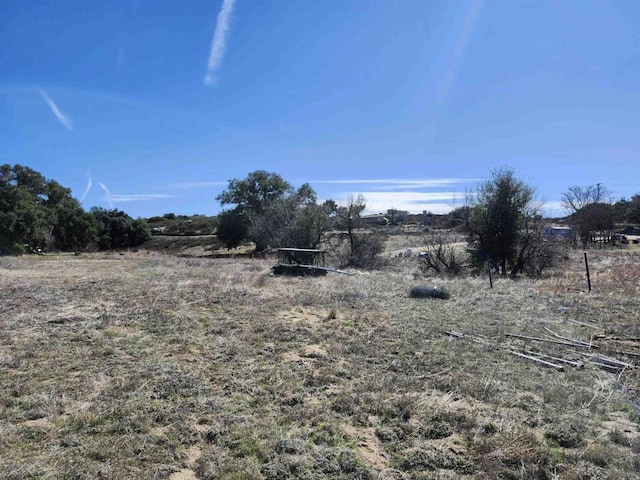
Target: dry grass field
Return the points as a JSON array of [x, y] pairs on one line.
[[146, 366]]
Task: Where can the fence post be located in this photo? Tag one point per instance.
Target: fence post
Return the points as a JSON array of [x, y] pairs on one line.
[[586, 264], [489, 270]]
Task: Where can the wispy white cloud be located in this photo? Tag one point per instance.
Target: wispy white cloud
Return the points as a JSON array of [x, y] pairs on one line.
[[459, 47], [393, 183], [134, 197], [219, 42], [89, 185], [62, 118], [434, 202], [205, 184], [108, 196], [415, 202]]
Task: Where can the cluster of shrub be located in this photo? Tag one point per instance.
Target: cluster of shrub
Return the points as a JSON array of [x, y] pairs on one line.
[[507, 232], [40, 214], [265, 209], [172, 224]]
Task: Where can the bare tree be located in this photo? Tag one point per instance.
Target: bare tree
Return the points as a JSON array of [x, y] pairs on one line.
[[354, 243], [441, 254], [534, 253], [592, 215], [576, 198]]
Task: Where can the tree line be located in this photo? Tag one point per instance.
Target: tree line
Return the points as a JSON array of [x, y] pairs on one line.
[[502, 219], [40, 214]]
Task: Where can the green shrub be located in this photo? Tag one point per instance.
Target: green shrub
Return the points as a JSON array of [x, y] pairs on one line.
[[18, 249]]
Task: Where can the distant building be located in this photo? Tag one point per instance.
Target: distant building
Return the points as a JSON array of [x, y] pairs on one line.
[[374, 219], [397, 216], [558, 232]]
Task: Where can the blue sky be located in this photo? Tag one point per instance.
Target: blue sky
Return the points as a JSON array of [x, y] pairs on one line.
[[152, 106]]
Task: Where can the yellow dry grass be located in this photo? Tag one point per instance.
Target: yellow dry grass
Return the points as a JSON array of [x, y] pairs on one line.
[[141, 365]]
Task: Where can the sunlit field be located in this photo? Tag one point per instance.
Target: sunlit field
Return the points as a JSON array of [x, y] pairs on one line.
[[143, 365]]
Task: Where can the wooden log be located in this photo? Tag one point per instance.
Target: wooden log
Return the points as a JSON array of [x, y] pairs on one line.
[[560, 368], [453, 333]]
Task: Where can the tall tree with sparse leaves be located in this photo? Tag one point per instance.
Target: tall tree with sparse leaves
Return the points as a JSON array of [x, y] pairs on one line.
[[504, 222]]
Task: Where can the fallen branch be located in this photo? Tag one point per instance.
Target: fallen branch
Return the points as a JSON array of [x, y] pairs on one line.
[[606, 366], [473, 337], [557, 342], [578, 365], [590, 325], [624, 352], [586, 344], [617, 339], [610, 361], [560, 368]]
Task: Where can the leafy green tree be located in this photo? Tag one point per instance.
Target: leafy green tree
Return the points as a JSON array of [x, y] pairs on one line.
[[22, 216], [633, 210], [232, 227], [21, 221], [628, 211], [255, 192], [117, 230], [501, 210], [73, 229], [38, 212], [269, 212]]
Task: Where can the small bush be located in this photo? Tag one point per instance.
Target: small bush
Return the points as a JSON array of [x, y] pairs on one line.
[[430, 292], [599, 455], [18, 249], [565, 435], [442, 256]]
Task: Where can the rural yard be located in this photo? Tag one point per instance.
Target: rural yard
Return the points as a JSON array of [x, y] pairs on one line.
[[150, 366]]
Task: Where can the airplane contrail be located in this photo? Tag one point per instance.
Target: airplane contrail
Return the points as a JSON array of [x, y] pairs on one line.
[[109, 196], [62, 118], [89, 185], [219, 42]]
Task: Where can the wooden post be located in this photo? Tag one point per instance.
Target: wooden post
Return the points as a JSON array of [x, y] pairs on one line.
[[489, 270], [586, 264]]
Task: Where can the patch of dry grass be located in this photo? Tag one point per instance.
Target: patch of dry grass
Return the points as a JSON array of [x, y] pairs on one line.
[[150, 366]]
